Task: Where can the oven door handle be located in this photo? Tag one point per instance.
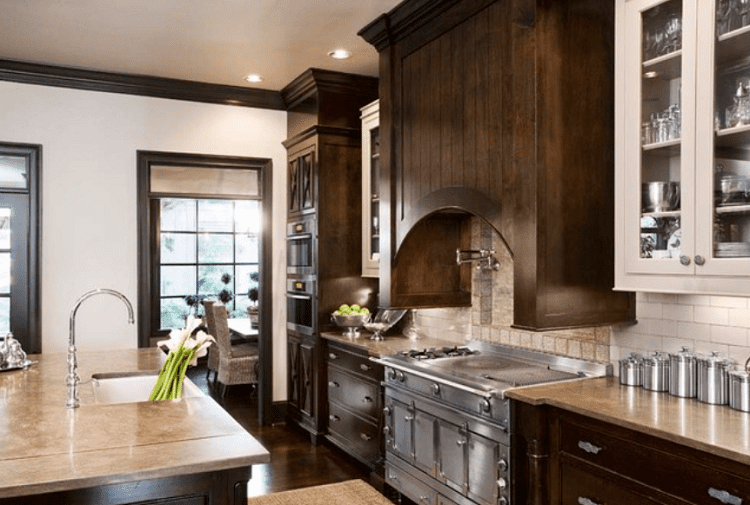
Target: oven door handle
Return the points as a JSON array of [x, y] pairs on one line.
[[299, 297], [301, 236], [418, 373]]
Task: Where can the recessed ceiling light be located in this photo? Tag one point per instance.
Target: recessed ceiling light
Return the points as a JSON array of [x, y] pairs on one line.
[[254, 78], [340, 54]]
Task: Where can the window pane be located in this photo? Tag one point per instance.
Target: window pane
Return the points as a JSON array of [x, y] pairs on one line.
[[4, 315], [177, 248], [209, 279], [177, 215], [247, 216], [177, 281], [13, 172], [214, 248], [173, 313], [215, 215], [240, 307], [244, 282], [247, 248], [5, 273], [5, 213]]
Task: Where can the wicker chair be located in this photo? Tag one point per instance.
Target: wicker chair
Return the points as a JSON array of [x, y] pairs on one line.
[[237, 364]]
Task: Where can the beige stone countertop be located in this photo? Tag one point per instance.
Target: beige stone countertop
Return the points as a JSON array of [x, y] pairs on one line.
[[391, 345], [45, 447], [716, 429]]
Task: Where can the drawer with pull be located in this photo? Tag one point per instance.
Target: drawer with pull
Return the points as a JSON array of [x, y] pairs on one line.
[[580, 487], [359, 435], [411, 487], [357, 394], [355, 363], [671, 468]]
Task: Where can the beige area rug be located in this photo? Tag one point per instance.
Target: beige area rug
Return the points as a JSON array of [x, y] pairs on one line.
[[350, 492]]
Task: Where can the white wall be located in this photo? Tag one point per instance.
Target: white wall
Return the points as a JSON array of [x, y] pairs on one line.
[[666, 322], [89, 230]]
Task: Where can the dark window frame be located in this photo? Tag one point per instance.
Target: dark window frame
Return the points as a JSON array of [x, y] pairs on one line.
[[147, 227], [25, 323]]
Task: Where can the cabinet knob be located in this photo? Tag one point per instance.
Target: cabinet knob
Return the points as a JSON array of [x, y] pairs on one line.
[[589, 447], [333, 384], [724, 496], [460, 442], [365, 437], [365, 367], [684, 260], [333, 355], [367, 399], [435, 389], [386, 411], [408, 419], [700, 260], [386, 430], [484, 404], [334, 419]]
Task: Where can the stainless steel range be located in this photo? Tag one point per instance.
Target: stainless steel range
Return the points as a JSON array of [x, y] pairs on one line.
[[447, 421]]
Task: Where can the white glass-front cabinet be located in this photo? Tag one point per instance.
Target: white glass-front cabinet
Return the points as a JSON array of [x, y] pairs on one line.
[[370, 192], [683, 146]]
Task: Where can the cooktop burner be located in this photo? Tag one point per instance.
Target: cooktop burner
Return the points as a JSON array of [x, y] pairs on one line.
[[443, 352]]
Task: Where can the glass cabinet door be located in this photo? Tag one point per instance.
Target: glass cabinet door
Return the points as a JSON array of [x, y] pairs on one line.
[[659, 114], [723, 154]]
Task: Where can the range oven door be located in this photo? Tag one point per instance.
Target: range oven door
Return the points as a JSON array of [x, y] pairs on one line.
[[300, 247], [300, 305]]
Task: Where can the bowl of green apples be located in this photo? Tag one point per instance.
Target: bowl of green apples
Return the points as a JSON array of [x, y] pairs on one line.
[[351, 317]]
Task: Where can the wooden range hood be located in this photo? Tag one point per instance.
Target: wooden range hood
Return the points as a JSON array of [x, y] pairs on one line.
[[503, 110]]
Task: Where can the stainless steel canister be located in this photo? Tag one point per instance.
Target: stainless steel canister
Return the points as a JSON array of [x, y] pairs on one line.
[[739, 388], [682, 374], [631, 370], [713, 379], [656, 372]]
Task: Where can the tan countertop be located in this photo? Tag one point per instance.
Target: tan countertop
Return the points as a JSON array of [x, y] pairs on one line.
[[391, 345], [45, 447], [716, 429]]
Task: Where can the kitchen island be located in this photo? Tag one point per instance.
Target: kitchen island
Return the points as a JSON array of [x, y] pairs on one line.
[[596, 441], [187, 451]]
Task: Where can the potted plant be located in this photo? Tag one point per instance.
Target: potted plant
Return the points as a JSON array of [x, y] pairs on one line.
[[253, 294], [225, 295]]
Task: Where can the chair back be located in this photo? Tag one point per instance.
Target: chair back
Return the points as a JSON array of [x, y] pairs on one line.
[[220, 326], [209, 316]]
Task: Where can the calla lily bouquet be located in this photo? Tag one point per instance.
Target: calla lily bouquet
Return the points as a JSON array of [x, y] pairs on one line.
[[185, 347]]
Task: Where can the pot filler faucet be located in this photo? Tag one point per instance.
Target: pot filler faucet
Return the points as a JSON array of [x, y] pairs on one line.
[[73, 379]]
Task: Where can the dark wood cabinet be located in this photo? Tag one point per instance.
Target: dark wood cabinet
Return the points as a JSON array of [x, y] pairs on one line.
[[355, 404], [502, 110], [324, 239], [562, 457]]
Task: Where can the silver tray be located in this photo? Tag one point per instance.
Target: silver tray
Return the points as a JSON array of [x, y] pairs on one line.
[[24, 364]]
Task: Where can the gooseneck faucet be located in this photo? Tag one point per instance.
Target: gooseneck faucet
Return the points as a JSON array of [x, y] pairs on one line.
[[73, 379]]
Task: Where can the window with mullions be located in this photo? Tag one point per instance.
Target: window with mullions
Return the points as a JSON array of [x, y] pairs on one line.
[[208, 248]]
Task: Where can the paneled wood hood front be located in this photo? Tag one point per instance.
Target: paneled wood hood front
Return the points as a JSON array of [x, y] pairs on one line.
[[502, 110]]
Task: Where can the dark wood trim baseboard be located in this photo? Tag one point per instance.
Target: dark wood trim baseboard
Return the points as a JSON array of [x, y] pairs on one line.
[[142, 85]]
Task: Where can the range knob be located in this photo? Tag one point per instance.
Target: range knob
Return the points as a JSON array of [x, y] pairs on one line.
[[502, 465], [436, 389], [392, 374], [502, 501], [400, 376], [501, 484], [484, 404]]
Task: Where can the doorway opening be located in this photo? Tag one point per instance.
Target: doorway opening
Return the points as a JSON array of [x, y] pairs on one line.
[[205, 233]]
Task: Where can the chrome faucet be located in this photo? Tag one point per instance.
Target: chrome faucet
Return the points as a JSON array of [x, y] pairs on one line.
[[73, 379]]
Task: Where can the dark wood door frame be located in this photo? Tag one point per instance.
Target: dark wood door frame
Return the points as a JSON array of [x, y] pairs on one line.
[[145, 256]]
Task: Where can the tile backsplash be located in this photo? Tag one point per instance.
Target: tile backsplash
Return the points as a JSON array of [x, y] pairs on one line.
[[666, 322]]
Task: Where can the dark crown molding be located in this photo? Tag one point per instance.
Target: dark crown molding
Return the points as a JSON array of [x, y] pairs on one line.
[[314, 81], [132, 84], [402, 20]]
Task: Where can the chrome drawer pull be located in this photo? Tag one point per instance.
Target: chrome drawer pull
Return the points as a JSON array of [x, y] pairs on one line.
[[588, 447], [365, 437], [460, 442], [393, 478], [367, 399], [424, 499], [334, 418], [333, 355], [408, 419], [333, 384], [365, 367], [585, 501], [724, 496]]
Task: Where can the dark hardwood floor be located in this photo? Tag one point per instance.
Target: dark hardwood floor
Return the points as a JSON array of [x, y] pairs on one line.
[[295, 462]]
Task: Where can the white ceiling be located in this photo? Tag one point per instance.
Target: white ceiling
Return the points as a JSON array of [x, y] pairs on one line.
[[214, 41]]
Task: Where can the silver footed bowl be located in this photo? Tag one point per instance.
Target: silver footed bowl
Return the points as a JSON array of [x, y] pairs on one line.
[[351, 323]]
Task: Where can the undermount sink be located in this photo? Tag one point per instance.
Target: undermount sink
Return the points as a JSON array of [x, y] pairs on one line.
[[131, 387]]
